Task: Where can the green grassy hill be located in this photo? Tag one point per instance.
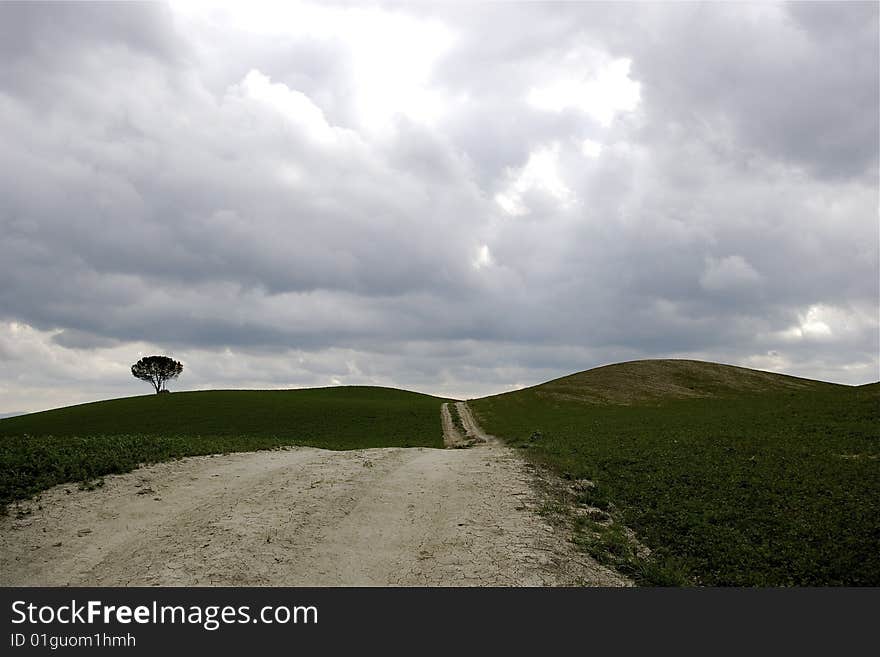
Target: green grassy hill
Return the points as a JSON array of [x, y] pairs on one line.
[[83, 442], [657, 381], [729, 476]]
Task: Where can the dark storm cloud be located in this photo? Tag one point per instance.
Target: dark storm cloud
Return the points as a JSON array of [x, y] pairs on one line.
[[797, 82], [32, 27], [43, 44], [175, 182]]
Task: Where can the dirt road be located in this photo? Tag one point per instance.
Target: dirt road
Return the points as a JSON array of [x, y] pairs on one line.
[[300, 517]]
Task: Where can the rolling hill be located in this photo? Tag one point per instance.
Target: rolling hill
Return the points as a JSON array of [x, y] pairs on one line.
[[647, 381], [352, 414], [680, 472], [81, 443], [703, 473]]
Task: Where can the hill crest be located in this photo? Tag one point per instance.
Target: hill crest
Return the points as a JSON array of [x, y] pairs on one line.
[[661, 379]]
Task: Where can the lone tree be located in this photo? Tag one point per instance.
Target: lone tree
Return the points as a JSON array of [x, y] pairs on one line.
[[156, 370]]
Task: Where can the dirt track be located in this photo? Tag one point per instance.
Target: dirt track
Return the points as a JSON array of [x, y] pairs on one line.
[[301, 517]]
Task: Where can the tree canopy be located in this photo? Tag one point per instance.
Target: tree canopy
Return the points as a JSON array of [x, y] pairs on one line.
[[157, 371]]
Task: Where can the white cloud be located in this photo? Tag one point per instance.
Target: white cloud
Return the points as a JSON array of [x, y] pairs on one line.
[[602, 96], [824, 322], [812, 325], [541, 173], [484, 258], [590, 148], [293, 105], [391, 53]]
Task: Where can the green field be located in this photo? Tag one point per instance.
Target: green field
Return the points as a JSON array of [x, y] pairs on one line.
[[729, 476], [81, 443]]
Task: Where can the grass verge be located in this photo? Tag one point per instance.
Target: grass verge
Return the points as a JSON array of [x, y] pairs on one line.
[[456, 420]]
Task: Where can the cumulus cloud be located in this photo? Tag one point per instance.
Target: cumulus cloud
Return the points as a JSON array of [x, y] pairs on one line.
[[462, 199], [602, 96]]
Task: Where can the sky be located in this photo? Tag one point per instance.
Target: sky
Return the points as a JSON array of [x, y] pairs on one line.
[[459, 199]]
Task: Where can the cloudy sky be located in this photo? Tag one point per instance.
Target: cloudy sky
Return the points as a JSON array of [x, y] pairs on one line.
[[458, 199]]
